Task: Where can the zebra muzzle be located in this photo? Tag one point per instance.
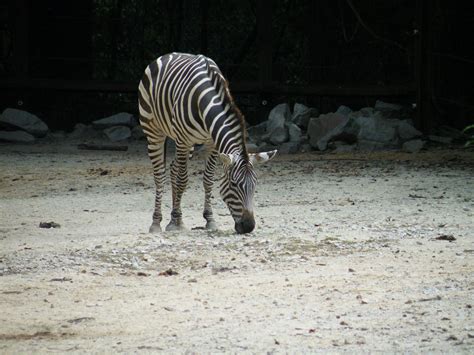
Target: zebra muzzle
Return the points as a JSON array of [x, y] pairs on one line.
[[246, 224]]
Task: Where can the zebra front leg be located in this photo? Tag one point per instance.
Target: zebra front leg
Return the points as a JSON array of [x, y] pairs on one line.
[[156, 152], [208, 181], [179, 182]]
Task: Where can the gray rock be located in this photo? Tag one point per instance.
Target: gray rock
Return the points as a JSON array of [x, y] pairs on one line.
[[343, 110], [256, 132], [16, 137], [385, 106], [289, 148], [120, 119], [370, 146], [377, 129], [413, 146], [343, 147], [302, 114], [406, 131], [278, 116], [251, 147], [294, 133], [137, 133], [306, 147], [118, 133], [439, 139], [82, 131], [324, 128], [279, 135], [366, 111], [25, 121], [265, 147]]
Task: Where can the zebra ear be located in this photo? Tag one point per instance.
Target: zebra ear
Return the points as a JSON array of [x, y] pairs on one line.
[[262, 157], [227, 159]]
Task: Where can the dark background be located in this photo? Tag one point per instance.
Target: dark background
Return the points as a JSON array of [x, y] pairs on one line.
[[77, 61]]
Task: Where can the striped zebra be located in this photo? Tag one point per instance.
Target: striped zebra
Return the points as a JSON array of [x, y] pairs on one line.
[[186, 98]]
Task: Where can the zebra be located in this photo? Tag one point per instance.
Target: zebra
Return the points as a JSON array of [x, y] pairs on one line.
[[186, 98]]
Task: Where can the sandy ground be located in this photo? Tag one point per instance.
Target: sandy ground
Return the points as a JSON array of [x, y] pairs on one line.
[[345, 256]]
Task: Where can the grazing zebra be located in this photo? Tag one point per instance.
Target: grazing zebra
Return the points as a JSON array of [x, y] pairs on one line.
[[186, 98]]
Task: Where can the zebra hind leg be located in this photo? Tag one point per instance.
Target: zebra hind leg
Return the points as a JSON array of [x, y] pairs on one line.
[[179, 182], [208, 181], [157, 154]]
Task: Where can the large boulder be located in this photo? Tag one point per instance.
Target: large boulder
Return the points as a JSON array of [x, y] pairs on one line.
[[16, 136], [302, 114], [278, 116], [324, 128], [18, 119], [118, 133], [406, 131], [377, 129], [120, 119], [257, 132], [289, 148], [294, 133], [85, 132], [343, 110], [279, 135]]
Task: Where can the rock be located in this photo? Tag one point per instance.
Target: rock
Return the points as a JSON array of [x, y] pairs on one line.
[[385, 106], [343, 110], [137, 133], [306, 147], [302, 114], [289, 148], [16, 136], [118, 133], [120, 119], [413, 146], [265, 147], [366, 111], [257, 132], [23, 120], [439, 139], [251, 147], [370, 146], [377, 129], [279, 135], [82, 131], [343, 147], [294, 133], [57, 135], [406, 131], [278, 116], [324, 128], [447, 131]]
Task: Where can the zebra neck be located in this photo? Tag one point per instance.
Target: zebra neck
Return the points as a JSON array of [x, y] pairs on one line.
[[227, 132]]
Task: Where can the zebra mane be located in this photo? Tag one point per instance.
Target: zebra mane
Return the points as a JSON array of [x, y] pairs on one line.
[[237, 112]]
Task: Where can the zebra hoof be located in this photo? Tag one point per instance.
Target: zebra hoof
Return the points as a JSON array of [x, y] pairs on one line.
[[171, 227], [212, 226], [155, 228]]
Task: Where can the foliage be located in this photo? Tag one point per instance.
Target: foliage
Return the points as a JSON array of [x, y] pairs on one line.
[[470, 140]]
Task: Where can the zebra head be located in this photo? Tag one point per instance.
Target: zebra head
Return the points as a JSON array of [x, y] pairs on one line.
[[238, 187]]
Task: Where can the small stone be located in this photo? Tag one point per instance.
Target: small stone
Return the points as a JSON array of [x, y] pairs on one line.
[[413, 146]]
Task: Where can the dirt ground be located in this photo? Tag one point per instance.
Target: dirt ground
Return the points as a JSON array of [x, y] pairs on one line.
[[351, 253]]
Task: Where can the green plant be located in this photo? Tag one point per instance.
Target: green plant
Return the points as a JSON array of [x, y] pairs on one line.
[[470, 139]]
